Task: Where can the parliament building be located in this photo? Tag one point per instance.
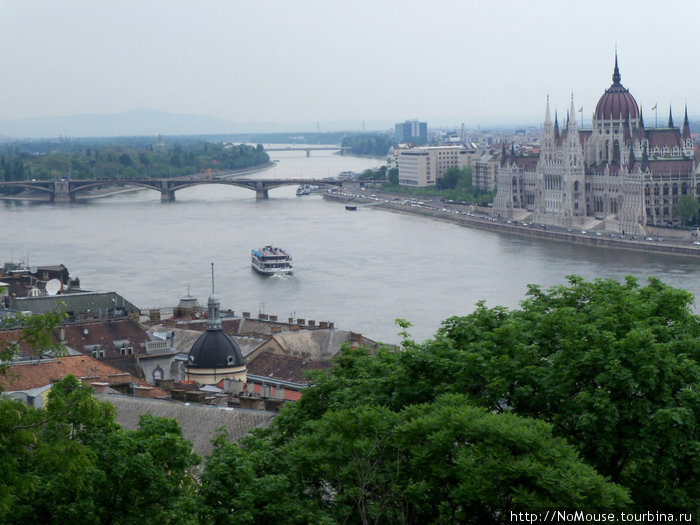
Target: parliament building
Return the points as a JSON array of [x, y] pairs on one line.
[[618, 172]]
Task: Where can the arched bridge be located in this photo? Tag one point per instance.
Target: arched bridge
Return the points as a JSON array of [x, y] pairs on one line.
[[66, 190]]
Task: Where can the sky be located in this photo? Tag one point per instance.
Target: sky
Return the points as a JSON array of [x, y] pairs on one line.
[[327, 61]]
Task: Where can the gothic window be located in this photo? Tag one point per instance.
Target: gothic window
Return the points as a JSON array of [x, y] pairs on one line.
[[675, 189], [665, 189], [576, 186]]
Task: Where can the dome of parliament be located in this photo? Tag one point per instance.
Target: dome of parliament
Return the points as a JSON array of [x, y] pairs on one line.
[[616, 102]]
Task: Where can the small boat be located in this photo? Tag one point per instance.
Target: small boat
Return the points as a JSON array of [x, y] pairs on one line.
[[303, 190], [351, 207], [271, 260]]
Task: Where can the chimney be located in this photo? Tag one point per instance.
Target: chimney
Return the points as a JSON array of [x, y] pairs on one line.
[[99, 387]]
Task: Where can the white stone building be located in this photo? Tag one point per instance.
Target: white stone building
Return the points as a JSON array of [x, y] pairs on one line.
[[618, 171]]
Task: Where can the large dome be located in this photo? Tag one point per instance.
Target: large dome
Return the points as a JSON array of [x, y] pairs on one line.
[[616, 102], [215, 349]]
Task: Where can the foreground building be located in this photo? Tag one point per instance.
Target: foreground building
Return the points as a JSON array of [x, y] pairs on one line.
[[619, 172]]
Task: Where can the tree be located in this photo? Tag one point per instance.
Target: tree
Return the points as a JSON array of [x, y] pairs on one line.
[[440, 462], [393, 176], [612, 366], [687, 208], [71, 463]]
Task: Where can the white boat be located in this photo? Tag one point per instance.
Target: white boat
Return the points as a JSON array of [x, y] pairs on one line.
[[271, 260], [306, 189]]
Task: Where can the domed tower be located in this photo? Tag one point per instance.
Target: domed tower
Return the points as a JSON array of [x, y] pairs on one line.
[[215, 355], [615, 120]]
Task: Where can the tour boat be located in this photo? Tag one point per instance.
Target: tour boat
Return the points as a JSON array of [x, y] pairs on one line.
[[271, 260], [350, 207]]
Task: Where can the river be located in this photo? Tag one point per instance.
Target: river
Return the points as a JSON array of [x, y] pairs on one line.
[[360, 270]]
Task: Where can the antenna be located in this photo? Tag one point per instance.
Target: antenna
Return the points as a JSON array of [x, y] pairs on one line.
[[212, 278]]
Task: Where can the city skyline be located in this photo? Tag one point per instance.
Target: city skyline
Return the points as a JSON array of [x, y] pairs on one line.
[[325, 62]]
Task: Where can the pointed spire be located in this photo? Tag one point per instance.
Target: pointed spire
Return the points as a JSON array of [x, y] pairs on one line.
[[213, 321], [572, 112], [686, 124], [641, 118], [547, 117], [616, 72], [512, 149], [670, 117], [556, 126]]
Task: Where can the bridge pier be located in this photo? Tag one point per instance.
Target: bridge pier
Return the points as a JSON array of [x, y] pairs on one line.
[[261, 194], [61, 192], [167, 195], [308, 152]]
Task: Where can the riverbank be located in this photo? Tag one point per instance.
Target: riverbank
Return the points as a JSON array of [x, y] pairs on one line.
[[481, 218]]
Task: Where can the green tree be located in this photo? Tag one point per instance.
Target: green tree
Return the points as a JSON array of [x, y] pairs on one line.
[[393, 176], [71, 463], [612, 366], [687, 208], [440, 462]]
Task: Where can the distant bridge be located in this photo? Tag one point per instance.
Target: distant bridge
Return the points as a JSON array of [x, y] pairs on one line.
[[309, 149], [67, 190]]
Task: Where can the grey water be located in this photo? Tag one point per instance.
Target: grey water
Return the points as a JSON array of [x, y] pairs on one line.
[[360, 270]]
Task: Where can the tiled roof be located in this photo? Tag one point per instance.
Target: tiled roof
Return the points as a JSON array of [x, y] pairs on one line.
[[200, 423], [664, 137], [670, 167], [283, 367], [24, 376]]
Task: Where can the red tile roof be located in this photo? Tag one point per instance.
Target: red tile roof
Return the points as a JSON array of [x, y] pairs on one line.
[[24, 376]]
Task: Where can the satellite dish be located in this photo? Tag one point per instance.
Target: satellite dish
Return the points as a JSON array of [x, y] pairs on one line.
[[53, 287], [33, 269]]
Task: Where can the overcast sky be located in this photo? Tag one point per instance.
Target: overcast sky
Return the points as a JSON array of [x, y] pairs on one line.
[[327, 60]]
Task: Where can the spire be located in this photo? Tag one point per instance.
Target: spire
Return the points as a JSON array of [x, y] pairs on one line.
[[641, 118], [556, 126], [213, 321], [670, 117], [616, 72], [547, 117], [686, 124], [572, 112]]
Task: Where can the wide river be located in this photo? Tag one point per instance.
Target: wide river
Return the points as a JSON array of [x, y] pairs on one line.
[[360, 270]]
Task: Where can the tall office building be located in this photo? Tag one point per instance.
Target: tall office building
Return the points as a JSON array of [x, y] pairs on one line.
[[411, 132]]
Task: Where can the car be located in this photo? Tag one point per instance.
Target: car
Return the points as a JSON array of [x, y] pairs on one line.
[[696, 243]]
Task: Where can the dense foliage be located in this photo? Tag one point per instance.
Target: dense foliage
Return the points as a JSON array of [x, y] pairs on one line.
[[117, 161], [373, 144], [71, 463], [587, 396]]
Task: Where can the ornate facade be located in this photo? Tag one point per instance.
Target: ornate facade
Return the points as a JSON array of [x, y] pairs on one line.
[[618, 171]]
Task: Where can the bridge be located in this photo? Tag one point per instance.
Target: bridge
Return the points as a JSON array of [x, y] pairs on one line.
[[309, 149], [67, 190]]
